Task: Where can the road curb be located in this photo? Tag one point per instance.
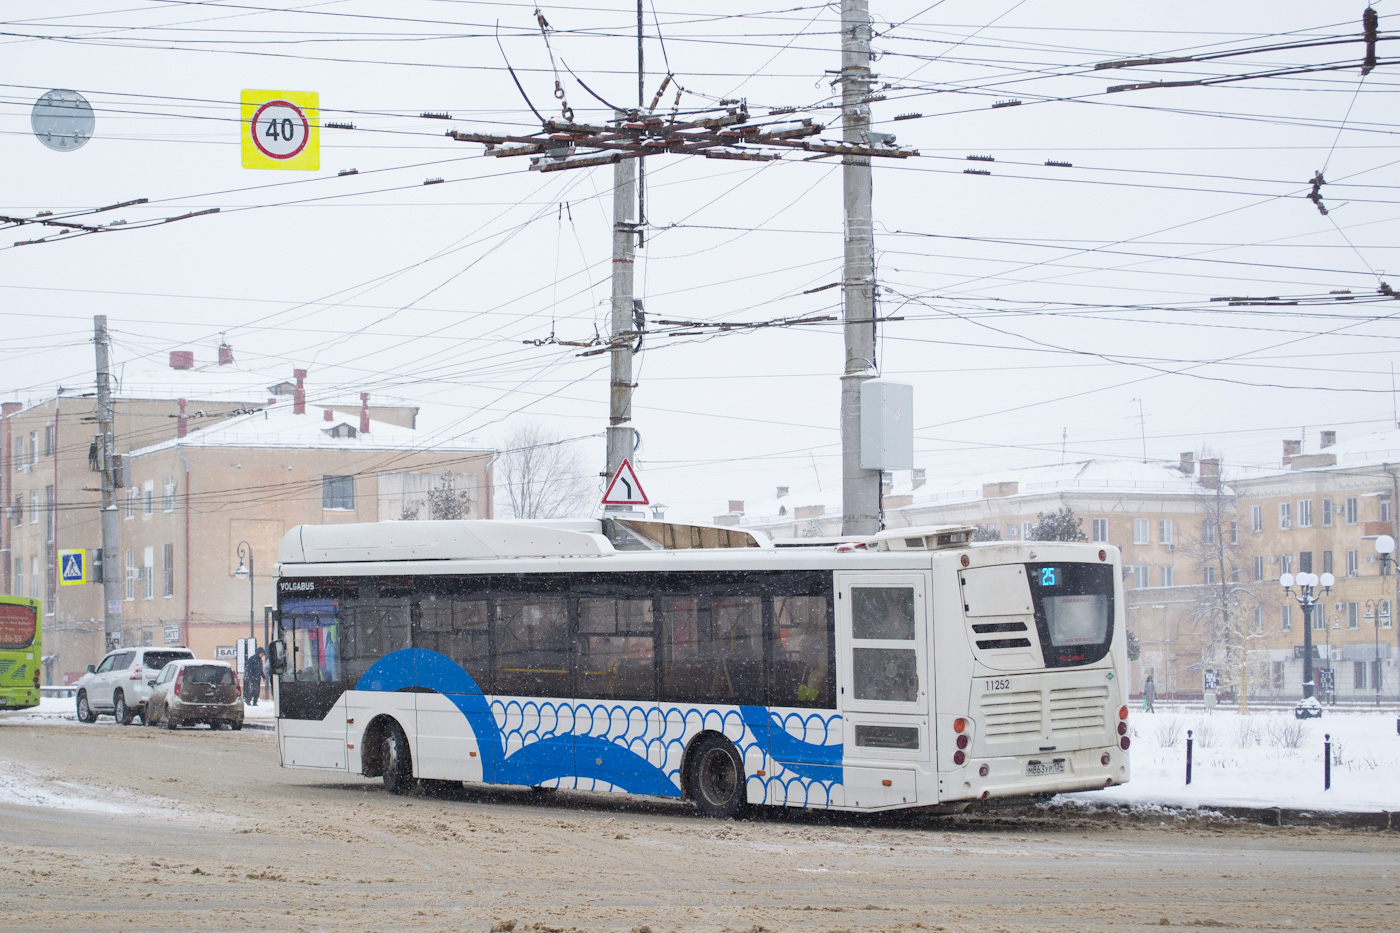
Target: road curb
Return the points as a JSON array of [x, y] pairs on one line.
[[1382, 820]]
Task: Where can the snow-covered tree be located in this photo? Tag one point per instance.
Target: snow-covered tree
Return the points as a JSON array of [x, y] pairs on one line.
[[444, 501], [1061, 525]]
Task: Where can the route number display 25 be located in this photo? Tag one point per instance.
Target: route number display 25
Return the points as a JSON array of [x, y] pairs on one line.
[[281, 130]]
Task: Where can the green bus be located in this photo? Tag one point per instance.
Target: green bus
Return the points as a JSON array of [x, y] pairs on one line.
[[19, 652]]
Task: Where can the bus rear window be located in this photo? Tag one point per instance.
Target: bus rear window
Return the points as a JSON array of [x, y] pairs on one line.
[[17, 625], [1073, 611]]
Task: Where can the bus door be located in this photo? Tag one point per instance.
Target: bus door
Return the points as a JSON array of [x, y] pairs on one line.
[[884, 683], [310, 692]]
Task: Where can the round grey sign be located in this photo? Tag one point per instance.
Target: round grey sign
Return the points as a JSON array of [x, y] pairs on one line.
[[62, 120]]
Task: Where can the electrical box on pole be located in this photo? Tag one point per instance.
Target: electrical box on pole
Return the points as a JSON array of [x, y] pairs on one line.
[[886, 425]]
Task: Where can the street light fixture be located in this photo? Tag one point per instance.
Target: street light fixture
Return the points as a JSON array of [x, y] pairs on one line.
[[1385, 548], [245, 550], [1307, 584]]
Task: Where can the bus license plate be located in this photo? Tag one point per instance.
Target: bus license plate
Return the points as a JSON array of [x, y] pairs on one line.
[[1044, 767]]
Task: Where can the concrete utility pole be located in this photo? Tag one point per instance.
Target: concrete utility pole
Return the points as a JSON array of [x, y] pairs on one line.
[[620, 433], [860, 488], [111, 536]]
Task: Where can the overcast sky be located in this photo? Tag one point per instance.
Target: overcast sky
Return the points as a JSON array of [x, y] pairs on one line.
[[1040, 309]]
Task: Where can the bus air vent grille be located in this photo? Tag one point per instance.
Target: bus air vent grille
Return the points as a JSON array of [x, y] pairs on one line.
[[5, 665], [1076, 708], [1007, 716]]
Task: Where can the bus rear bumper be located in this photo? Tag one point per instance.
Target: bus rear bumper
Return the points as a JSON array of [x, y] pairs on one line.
[[1044, 773], [18, 697]]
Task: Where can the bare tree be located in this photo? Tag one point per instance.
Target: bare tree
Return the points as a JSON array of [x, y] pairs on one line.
[[541, 475], [1223, 610]]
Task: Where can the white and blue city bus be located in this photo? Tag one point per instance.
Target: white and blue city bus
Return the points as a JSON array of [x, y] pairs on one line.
[[908, 669]]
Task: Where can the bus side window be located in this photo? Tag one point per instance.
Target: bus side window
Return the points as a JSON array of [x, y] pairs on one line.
[[884, 663], [374, 628], [801, 671], [615, 649], [457, 628], [532, 647], [714, 650]]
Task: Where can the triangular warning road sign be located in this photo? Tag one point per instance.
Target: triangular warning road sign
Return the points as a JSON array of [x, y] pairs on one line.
[[624, 489]]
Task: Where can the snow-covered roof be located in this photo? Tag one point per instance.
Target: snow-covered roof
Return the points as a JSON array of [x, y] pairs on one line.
[[155, 378], [278, 426]]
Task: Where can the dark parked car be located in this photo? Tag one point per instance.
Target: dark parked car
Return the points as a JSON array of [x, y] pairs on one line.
[[189, 692]]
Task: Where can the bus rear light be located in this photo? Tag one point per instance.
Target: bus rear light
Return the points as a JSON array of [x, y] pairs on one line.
[[984, 771], [960, 756], [962, 741], [1103, 760], [965, 561], [1122, 728], [1103, 555], [1124, 742], [1122, 712], [959, 725]]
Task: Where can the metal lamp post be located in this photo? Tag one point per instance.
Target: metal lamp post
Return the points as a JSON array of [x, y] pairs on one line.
[[1385, 548], [1307, 583], [245, 550]]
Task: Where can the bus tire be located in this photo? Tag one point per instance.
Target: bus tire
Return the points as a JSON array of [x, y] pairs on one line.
[[120, 711], [398, 761], [85, 713], [715, 777]]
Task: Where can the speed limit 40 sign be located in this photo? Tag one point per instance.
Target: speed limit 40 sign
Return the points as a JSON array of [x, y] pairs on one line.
[[281, 129]]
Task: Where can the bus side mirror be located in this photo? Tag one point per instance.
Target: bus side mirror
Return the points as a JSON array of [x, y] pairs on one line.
[[277, 657], [92, 668]]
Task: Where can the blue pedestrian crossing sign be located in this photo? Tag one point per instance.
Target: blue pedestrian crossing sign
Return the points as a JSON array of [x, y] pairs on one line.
[[72, 567]]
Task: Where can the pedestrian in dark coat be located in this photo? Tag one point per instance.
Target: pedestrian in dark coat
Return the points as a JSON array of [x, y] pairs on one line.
[[252, 677]]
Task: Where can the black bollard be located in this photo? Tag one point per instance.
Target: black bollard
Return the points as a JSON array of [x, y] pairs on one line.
[[1327, 761], [1188, 756]]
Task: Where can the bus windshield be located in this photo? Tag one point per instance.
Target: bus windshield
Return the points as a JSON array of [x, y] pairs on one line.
[[1073, 611], [17, 626]]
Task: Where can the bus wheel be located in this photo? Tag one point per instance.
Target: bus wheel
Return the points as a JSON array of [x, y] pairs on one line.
[[398, 761], [715, 777], [85, 713]]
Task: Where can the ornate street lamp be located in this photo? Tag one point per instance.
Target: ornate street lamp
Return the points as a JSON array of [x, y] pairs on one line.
[[245, 550], [1307, 584]]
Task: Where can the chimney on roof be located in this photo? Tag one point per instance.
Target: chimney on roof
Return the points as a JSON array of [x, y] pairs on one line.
[[1188, 464], [1329, 439], [182, 359], [1291, 449], [225, 355], [364, 412], [736, 506], [9, 408], [182, 423], [782, 492], [329, 415], [1210, 473], [299, 393], [272, 400], [917, 477]]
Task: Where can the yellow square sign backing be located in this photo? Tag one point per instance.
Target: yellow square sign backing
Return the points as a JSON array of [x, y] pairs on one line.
[[282, 129], [72, 567]]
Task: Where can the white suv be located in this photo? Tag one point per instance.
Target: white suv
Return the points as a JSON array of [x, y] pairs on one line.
[[121, 684]]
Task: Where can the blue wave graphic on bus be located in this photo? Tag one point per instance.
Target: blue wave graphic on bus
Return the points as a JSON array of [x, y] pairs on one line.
[[549, 748]]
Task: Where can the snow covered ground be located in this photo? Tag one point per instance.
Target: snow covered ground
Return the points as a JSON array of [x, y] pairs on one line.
[[1264, 759]]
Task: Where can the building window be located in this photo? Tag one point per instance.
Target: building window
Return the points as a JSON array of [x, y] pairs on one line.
[[131, 501], [1208, 574], [1285, 516], [129, 591], [167, 566], [148, 574], [167, 499], [1142, 576], [19, 576], [1327, 513], [1234, 532], [1351, 510], [1285, 564], [48, 440], [1168, 576], [1278, 670], [1305, 561], [1385, 508], [1100, 529], [33, 446], [1353, 615], [19, 455], [1386, 619], [1319, 618], [50, 513], [148, 497], [1164, 531], [338, 492], [1358, 675], [17, 511], [33, 506], [1326, 561], [1142, 531], [1256, 518], [33, 578], [1025, 531], [1353, 564], [1304, 513], [1012, 531], [1258, 569], [1259, 620]]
